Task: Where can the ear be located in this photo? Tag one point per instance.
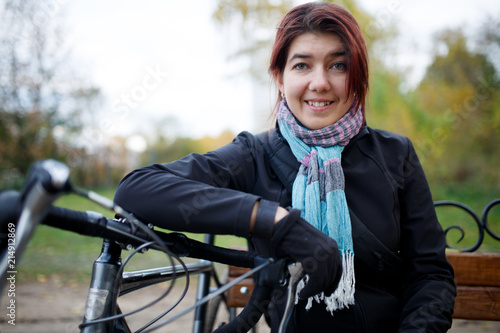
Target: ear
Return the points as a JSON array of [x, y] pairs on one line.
[[278, 78]]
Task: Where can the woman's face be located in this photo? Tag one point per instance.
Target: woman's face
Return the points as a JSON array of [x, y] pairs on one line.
[[314, 80]]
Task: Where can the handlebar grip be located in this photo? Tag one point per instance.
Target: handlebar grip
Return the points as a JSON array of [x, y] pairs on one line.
[[92, 224], [222, 255], [81, 222], [10, 208]]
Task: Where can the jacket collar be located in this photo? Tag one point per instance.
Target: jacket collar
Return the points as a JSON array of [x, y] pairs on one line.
[[361, 134]]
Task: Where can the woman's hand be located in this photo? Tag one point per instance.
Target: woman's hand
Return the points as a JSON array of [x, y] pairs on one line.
[[317, 252]]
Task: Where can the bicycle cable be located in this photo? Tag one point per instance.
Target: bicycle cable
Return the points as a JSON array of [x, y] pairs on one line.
[[108, 204], [212, 295], [134, 222], [179, 299], [162, 296]]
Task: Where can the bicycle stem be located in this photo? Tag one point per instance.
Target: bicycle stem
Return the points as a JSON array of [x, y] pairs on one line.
[[103, 291]]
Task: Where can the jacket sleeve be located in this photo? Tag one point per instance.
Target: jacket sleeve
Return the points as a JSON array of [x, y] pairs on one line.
[[429, 294], [207, 193]]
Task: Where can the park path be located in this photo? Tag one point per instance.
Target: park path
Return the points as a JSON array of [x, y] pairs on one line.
[[56, 307]]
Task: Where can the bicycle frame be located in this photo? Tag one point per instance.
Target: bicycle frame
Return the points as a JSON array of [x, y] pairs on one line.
[[102, 291]]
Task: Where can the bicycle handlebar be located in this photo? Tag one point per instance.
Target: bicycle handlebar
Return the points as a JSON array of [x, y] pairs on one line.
[[96, 225], [48, 179]]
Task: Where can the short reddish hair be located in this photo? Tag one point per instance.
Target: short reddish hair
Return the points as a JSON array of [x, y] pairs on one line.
[[324, 18]]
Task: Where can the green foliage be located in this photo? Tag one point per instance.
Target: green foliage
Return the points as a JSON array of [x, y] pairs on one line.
[[460, 93], [387, 107]]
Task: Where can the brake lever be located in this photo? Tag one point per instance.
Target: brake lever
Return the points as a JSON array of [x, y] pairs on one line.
[[47, 179], [296, 274]]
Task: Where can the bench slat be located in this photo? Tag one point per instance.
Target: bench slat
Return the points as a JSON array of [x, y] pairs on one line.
[[476, 269], [235, 271], [477, 303], [477, 276]]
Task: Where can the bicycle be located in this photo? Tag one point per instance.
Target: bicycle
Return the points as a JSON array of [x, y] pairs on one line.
[[22, 211]]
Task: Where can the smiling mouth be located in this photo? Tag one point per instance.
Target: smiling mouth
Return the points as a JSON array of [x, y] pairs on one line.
[[318, 103]]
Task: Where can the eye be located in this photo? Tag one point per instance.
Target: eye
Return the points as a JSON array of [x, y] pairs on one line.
[[339, 66], [300, 66]]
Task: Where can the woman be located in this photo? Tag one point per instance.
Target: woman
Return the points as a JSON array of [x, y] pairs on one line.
[[362, 187]]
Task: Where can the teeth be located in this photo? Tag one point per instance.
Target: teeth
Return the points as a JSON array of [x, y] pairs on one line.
[[318, 103]]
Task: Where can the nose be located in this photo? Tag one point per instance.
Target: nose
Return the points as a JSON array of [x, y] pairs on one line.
[[319, 80]]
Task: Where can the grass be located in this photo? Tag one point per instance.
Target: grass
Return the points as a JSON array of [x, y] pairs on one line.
[[69, 256], [477, 200]]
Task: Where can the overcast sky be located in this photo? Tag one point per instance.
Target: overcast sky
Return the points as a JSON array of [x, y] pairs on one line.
[[157, 59]]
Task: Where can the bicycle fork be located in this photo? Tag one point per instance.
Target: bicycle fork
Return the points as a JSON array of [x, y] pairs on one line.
[[101, 299]]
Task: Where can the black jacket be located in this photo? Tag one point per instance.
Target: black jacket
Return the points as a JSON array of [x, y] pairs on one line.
[[386, 190]]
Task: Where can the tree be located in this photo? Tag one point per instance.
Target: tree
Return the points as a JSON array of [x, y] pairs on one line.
[[488, 41], [460, 92], [253, 21], [39, 93]]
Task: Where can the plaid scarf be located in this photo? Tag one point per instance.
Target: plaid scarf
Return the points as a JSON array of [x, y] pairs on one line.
[[318, 190]]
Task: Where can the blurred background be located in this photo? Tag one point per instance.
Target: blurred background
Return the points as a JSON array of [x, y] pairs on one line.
[[107, 87], [110, 86]]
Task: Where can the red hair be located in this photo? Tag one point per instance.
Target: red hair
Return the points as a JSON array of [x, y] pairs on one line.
[[325, 18]]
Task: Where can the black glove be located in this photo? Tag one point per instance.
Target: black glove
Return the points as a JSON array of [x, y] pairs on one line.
[[317, 252]]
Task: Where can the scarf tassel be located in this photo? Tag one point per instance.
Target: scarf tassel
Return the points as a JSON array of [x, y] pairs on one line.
[[343, 296]]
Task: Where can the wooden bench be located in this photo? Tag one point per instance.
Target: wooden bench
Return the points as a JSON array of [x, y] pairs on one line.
[[477, 277], [239, 294]]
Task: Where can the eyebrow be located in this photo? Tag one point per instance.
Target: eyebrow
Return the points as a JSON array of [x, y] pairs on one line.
[[307, 56]]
